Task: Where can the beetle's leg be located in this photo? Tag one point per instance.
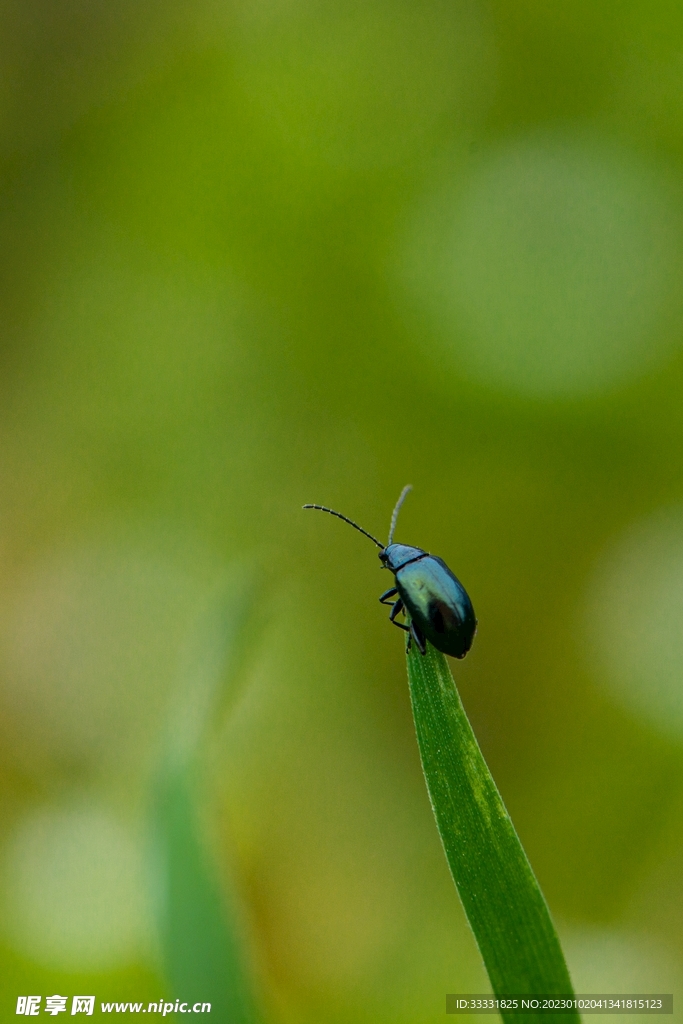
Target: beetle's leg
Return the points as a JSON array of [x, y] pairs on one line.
[[396, 607], [396, 610], [401, 625], [418, 638]]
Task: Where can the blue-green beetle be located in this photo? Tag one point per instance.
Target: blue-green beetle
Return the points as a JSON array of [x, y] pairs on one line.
[[437, 604]]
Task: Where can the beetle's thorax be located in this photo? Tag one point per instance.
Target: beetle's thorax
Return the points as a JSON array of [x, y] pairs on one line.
[[395, 556]]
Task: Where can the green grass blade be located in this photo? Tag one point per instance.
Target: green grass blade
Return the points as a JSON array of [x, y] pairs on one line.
[[201, 932], [502, 899], [201, 940]]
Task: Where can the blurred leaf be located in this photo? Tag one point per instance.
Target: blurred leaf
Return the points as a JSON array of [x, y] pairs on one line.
[[202, 936], [502, 899], [222, 641]]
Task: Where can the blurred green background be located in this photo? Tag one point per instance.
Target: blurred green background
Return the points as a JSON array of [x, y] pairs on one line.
[[269, 252]]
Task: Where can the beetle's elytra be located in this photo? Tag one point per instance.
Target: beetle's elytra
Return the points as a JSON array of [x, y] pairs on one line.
[[436, 603]]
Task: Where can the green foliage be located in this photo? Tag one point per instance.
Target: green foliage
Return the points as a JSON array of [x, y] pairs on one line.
[[200, 932], [202, 937], [502, 899]]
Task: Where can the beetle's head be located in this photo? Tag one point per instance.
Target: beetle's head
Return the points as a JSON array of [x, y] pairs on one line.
[[393, 556]]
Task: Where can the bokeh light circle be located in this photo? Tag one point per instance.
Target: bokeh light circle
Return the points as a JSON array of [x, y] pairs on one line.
[[91, 638], [635, 620], [616, 960], [551, 270], [74, 889]]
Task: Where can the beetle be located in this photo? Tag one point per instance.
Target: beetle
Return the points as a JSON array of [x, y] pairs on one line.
[[427, 592]]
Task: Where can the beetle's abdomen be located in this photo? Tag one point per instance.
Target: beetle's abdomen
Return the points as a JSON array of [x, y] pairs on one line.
[[439, 604]]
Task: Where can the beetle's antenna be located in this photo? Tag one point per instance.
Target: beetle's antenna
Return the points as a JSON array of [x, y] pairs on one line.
[[394, 516], [321, 508]]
